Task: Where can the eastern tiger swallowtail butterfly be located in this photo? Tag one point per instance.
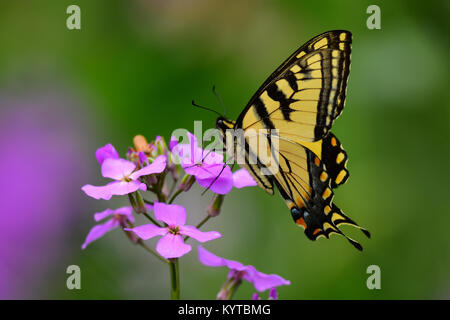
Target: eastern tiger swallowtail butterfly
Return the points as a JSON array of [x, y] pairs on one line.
[[301, 99]]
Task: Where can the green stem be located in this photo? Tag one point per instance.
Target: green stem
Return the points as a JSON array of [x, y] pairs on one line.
[[174, 196], [232, 289], [151, 219], [147, 201], [174, 185], [148, 249], [143, 245], [230, 286], [174, 279], [161, 197], [203, 221]]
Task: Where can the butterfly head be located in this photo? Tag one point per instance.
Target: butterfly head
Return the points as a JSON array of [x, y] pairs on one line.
[[224, 124]]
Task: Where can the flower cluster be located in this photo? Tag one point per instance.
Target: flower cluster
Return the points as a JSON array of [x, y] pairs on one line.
[[165, 172]]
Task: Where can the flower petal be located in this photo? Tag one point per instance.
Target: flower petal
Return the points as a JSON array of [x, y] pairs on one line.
[[273, 295], [198, 235], [204, 171], [172, 246], [211, 260], [223, 183], [101, 192], [124, 211], [241, 178], [172, 214], [99, 231], [158, 165], [103, 214], [127, 212], [105, 152], [211, 157], [255, 296], [117, 169], [148, 231], [120, 188], [188, 154], [262, 281], [142, 158], [173, 142]]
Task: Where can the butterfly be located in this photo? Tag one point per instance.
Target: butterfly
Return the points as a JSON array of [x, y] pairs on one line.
[[299, 102]]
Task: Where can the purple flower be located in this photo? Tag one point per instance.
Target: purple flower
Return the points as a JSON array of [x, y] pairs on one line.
[[272, 295], [120, 217], [242, 178], [126, 181], [260, 281], [173, 142], [106, 152], [209, 169], [172, 245]]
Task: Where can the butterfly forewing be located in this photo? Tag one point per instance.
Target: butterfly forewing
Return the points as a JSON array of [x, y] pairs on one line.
[[306, 93]]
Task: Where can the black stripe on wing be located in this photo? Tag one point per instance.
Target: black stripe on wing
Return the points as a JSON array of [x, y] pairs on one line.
[[335, 159]]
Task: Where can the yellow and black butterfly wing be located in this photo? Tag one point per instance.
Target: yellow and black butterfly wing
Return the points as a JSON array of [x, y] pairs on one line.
[[255, 168], [306, 186], [306, 93], [332, 154]]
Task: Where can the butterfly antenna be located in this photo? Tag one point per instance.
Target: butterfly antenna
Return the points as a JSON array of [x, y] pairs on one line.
[[206, 108], [220, 99]]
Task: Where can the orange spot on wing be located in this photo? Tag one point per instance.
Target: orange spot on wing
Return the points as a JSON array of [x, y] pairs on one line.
[[316, 161], [301, 222], [316, 231], [333, 142]]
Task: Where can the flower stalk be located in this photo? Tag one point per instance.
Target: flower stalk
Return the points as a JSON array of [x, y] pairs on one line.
[[174, 279]]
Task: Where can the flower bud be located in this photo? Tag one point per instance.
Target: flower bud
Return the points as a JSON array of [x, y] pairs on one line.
[[161, 147], [186, 182], [151, 180], [140, 205], [141, 144], [215, 205], [175, 169], [137, 202], [273, 294]]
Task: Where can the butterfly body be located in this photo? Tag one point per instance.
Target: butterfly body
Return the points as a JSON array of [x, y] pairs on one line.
[[292, 113]]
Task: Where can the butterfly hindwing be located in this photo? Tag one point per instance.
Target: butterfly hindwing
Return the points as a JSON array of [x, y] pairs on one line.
[[335, 159], [305, 185], [306, 93]]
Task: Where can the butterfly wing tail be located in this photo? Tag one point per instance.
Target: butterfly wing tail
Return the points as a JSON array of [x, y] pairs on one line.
[[338, 218]]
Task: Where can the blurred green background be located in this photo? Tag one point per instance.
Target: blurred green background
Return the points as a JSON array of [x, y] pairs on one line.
[[134, 68]]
